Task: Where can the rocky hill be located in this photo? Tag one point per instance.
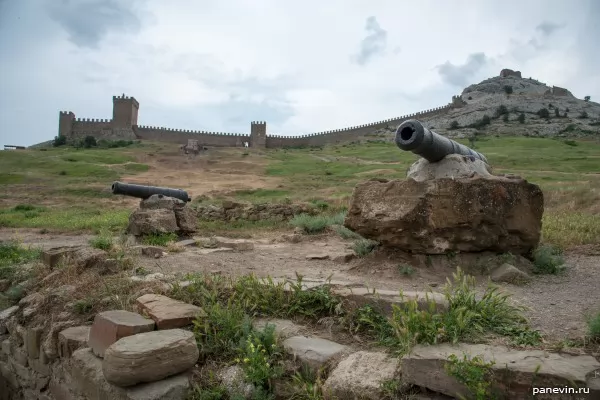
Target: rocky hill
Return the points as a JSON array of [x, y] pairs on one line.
[[511, 105]]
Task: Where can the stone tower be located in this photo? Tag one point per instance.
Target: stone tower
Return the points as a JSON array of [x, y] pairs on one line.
[[125, 112], [65, 123], [258, 134]]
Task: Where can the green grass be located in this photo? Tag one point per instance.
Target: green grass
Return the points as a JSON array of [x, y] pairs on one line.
[[594, 326], [73, 218], [159, 239], [313, 224], [469, 317], [548, 259], [12, 254]]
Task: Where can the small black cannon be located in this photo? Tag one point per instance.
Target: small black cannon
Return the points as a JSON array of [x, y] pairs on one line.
[[411, 135], [143, 192]]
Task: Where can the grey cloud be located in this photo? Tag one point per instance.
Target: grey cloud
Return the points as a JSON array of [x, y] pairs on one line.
[[461, 75], [88, 21], [548, 28], [373, 44]]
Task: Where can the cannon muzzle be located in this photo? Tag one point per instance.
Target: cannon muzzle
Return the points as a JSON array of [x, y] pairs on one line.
[[143, 192], [411, 135]]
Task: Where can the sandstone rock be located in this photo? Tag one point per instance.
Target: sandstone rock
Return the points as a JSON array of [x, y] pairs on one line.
[[344, 257], [317, 257], [185, 217], [284, 328], [50, 344], [4, 285], [233, 379], [235, 244], [384, 299], [146, 222], [149, 357], [453, 166], [148, 278], [514, 370], [313, 351], [443, 215], [187, 220], [110, 326], [360, 375], [510, 274], [53, 256], [151, 251], [158, 201], [88, 379], [88, 257], [33, 342], [72, 339], [168, 313], [4, 317], [187, 242], [217, 250]]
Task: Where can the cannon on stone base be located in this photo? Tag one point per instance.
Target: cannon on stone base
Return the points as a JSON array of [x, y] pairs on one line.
[[411, 135], [144, 192]]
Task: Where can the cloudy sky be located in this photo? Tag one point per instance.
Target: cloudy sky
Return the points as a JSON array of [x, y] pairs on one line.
[[301, 66]]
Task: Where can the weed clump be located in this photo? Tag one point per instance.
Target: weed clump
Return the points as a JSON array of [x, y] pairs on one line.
[[313, 224], [548, 259]]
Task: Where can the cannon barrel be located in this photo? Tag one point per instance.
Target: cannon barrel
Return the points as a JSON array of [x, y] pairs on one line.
[[411, 135], [143, 192]]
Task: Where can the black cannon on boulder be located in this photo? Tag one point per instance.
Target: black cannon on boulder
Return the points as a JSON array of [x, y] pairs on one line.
[[411, 135], [144, 192]]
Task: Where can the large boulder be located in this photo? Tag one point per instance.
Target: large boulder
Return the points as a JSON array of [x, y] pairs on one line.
[[162, 214], [436, 216]]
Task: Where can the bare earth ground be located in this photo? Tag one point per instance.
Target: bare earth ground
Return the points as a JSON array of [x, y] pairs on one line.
[[557, 304], [203, 175]]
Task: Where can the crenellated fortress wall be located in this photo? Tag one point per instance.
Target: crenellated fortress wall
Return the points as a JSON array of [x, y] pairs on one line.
[[124, 125]]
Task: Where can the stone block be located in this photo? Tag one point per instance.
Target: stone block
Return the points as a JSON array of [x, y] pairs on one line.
[[4, 316], [360, 375], [52, 257], [384, 299], [110, 326], [89, 380], [514, 370], [314, 351], [150, 357], [168, 313], [284, 328], [72, 339], [33, 341]]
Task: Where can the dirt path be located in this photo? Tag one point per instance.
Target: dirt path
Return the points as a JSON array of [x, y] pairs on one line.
[[558, 304]]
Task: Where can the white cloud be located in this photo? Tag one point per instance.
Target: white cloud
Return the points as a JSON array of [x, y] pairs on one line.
[[219, 65]]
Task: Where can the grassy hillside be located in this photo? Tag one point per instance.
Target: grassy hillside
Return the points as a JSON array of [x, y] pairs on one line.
[[68, 189]]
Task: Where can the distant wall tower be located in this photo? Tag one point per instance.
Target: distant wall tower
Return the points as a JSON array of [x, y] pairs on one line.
[[258, 134], [125, 112], [65, 123]]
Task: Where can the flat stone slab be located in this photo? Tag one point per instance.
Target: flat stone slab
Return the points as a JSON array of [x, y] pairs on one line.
[[514, 370], [187, 242], [313, 351], [4, 317], [150, 357], [110, 326], [72, 339], [284, 328], [360, 375], [215, 250], [167, 312], [90, 381], [235, 244], [385, 298]]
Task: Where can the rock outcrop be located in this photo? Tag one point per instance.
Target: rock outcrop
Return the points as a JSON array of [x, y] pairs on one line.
[[451, 214], [162, 214]]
